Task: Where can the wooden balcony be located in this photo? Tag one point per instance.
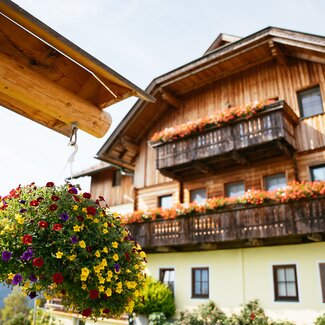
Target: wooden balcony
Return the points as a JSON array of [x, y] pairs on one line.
[[243, 141], [273, 224]]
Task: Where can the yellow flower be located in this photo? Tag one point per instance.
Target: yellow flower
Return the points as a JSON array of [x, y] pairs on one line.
[[76, 228], [59, 254], [84, 210], [108, 292], [105, 231], [97, 254], [10, 276], [136, 266], [84, 274], [47, 296], [101, 288], [105, 250], [88, 216], [82, 244], [115, 257], [82, 226], [115, 244], [136, 293], [96, 220], [101, 280], [109, 274], [75, 207], [131, 284], [72, 257], [119, 285], [143, 254], [104, 262], [84, 286], [105, 224], [119, 290], [19, 218]]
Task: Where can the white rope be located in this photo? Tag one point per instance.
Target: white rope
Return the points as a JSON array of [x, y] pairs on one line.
[[70, 161]]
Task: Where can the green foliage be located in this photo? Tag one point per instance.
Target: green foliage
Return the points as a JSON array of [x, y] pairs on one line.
[[15, 311], [205, 314], [43, 317], [210, 314], [155, 297], [320, 320], [157, 319]]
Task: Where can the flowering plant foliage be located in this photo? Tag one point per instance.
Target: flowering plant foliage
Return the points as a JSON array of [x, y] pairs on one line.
[[293, 192], [59, 241], [217, 120]]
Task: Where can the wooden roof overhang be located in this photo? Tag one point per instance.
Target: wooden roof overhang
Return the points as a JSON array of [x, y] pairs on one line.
[[48, 79], [266, 45]]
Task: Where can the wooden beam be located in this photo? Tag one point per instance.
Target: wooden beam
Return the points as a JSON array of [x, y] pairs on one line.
[[203, 167], [287, 153], [239, 158], [128, 144], [28, 87], [315, 237], [170, 98], [255, 242], [169, 174], [277, 53]]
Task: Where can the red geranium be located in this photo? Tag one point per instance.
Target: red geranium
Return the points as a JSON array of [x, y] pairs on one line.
[[38, 262], [53, 207], [43, 224], [93, 294], [57, 278], [27, 239], [49, 184], [34, 203], [86, 195], [91, 210], [57, 227], [86, 312]]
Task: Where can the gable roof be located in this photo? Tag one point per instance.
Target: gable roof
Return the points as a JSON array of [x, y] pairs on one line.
[[53, 66], [221, 40], [268, 44]]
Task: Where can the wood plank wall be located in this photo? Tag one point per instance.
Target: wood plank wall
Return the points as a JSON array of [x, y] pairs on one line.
[[102, 184], [265, 81]]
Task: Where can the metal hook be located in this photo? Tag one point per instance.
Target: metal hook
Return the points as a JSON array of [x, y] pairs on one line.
[[73, 135]]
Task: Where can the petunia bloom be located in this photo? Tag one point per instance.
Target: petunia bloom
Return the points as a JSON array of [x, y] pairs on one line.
[[86, 312], [38, 262], [27, 255], [49, 184], [91, 210], [73, 190], [117, 267], [57, 227], [53, 207], [93, 294], [32, 278], [27, 239], [86, 195], [17, 279], [64, 216], [34, 203], [32, 295], [57, 278], [43, 224], [74, 239], [55, 198], [6, 256]]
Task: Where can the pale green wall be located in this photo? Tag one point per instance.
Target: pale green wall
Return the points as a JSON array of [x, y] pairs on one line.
[[239, 275]]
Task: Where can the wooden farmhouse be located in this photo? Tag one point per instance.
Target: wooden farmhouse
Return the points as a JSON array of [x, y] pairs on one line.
[[244, 120]]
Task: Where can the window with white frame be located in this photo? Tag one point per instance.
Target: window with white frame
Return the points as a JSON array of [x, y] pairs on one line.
[[167, 276]]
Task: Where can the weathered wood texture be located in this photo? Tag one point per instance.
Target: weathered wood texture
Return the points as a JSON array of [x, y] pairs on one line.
[[102, 185], [267, 134], [267, 80], [237, 224]]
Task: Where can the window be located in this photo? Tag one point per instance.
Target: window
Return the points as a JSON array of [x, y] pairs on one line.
[[167, 276], [317, 173], [275, 182], [198, 195], [165, 201], [235, 189], [285, 283], [200, 282], [117, 176], [310, 102], [322, 279]]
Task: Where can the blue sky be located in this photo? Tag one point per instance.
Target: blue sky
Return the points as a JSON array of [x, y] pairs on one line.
[[140, 39]]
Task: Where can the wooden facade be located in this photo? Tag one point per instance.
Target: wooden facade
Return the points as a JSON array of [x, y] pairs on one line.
[[272, 63]]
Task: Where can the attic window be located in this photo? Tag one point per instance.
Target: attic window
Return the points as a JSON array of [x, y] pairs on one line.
[[117, 176]]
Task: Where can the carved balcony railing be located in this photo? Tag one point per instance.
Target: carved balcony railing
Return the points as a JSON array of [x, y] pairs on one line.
[[270, 132], [236, 227]]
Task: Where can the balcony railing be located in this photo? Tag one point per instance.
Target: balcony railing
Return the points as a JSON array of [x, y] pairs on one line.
[[236, 225], [268, 133]]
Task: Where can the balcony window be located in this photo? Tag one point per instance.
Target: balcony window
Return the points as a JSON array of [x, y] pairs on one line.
[[275, 182], [165, 202], [285, 283], [199, 195], [200, 282], [235, 189], [317, 173], [310, 102], [117, 176], [167, 276]]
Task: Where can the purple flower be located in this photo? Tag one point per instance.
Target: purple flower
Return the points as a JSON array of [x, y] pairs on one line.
[[6, 256], [17, 279], [73, 190], [22, 201], [32, 295], [116, 267], [74, 239], [64, 216], [26, 256], [22, 210], [32, 278]]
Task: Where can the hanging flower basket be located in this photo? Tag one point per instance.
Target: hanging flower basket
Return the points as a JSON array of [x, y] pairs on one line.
[[58, 241]]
